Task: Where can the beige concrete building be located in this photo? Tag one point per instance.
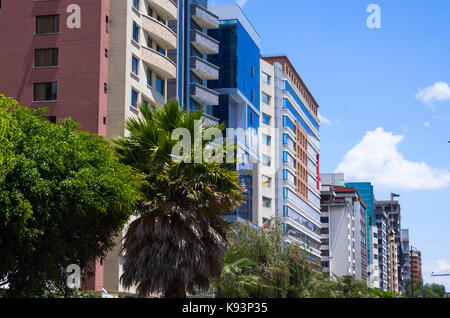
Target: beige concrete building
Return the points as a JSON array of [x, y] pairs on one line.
[[393, 265], [268, 139], [139, 68]]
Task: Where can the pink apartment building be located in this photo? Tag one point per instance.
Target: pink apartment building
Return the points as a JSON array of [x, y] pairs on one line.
[[54, 53]]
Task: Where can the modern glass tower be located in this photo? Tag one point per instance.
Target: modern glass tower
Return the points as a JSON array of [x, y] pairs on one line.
[[239, 103]]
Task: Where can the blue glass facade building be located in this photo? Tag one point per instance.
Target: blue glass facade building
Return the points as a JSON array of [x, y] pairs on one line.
[[239, 85]]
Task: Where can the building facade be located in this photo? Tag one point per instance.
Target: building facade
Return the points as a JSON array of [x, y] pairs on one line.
[[194, 47], [343, 232], [139, 68], [393, 211], [55, 58], [365, 190], [393, 280], [406, 268], [416, 266], [239, 103], [138, 54], [296, 156], [381, 243]]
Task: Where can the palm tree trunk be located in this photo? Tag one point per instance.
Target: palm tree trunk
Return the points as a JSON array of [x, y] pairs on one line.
[[175, 290]]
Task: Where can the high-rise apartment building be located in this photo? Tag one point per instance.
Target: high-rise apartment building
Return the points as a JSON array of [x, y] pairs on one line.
[[373, 273], [365, 190], [416, 266], [239, 104], [139, 68], [393, 280], [406, 270], [393, 209], [343, 232], [139, 65], [381, 242], [54, 54], [296, 156], [194, 47]]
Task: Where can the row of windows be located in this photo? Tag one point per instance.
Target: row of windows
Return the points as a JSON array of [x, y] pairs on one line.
[[160, 83]]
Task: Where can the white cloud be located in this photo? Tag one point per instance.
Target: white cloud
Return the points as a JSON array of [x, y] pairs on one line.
[[324, 120], [442, 266], [376, 158], [426, 124], [440, 91]]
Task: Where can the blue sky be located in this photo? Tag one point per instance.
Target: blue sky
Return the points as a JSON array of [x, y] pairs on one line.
[[384, 99]]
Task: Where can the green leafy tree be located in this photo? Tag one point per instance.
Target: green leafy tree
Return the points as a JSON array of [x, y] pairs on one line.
[[63, 195], [260, 265], [177, 241]]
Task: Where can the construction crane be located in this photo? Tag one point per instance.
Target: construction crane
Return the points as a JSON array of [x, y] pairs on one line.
[[439, 275]]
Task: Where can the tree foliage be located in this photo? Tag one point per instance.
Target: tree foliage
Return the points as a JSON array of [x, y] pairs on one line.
[[63, 194], [260, 265], [177, 241]]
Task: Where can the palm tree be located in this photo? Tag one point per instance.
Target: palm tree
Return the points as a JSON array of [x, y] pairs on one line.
[[177, 241]]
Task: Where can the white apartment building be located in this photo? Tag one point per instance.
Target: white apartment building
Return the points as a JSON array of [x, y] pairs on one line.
[[343, 232], [297, 188]]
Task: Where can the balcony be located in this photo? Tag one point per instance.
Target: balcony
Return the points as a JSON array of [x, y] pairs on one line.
[[165, 37], [159, 63], [204, 69], [204, 96], [167, 9], [204, 18], [204, 43]]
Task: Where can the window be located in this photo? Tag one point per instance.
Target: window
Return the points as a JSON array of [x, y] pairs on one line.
[[266, 139], [252, 94], [160, 50], [266, 181], [106, 53], [52, 119], [160, 85], [266, 160], [266, 99], [252, 71], [160, 19], [134, 98], [135, 65], [136, 30], [149, 11], [265, 78], [266, 119], [136, 4], [47, 24], [45, 91], [45, 57], [105, 87], [267, 203], [149, 77]]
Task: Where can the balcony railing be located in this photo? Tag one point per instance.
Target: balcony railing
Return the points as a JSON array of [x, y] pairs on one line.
[[167, 9], [204, 18], [203, 95], [204, 69], [204, 43], [159, 63], [165, 37]]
